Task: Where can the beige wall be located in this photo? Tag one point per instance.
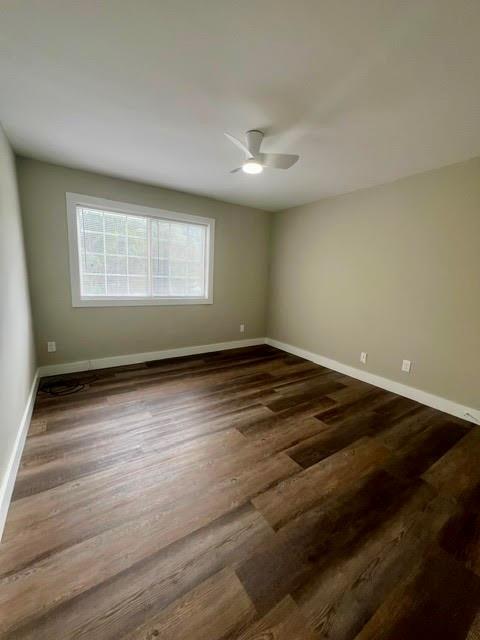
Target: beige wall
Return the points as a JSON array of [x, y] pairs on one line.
[[240, 273], [394, 271], [17, 361]]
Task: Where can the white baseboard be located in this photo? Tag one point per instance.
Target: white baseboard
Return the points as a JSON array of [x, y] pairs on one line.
[[8, 481], [429, 399], [135, 358]]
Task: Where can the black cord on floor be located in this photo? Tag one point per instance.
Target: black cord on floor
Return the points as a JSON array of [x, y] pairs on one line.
[[62, 387]]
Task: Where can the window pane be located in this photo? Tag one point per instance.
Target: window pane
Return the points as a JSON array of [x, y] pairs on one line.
[[194, 287], [125, 255], [178, 231], [137, 266], [117, 286], [138, 285], [116, 265], [116, 245], [195, 269], [93, 286], [92, 220], [178, 251], [178, 269], [195, 250], [93, 263], [94, 242], [161, 229], [160, 286], [137, 227], [159, 267], [115, 223], [137, 246], [177, 286], [160, 249]]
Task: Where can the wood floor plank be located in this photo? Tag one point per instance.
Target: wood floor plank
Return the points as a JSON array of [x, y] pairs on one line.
[[461, 535], [338, 601], [282, 434], [283, 622], [277, 421], [290, 400], [353, 403], [330, 438], [437, 584], [291, 498], [216, 609], [36, 427], [423, 450], [319, 537], [36, 480], [457, 473]]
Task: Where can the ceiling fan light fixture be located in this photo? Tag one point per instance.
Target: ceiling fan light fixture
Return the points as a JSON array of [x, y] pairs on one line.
[[256, 161], [252, 166]]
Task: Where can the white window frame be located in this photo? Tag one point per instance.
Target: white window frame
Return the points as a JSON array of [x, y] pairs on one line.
[[76, 199]]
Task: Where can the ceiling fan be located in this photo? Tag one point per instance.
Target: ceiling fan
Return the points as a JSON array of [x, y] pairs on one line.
[[255, 161]]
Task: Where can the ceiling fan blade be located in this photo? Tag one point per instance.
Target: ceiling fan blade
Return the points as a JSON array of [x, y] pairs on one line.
[[254, 140], [239, 144], [235, 170], [278, 160]]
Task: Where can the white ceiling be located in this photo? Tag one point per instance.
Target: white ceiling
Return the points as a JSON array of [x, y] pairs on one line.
[[365, 91]]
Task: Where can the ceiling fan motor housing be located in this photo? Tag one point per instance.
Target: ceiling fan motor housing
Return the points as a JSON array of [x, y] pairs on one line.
[[254, 140]]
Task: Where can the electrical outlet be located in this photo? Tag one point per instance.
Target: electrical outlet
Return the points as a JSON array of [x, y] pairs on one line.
[[406, 366], [363, 357], [242, 328], [51, 346]]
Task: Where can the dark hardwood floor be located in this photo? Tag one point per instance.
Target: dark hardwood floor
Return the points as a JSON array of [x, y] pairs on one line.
[[245, 495]]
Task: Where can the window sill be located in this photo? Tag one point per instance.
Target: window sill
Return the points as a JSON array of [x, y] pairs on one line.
[[138, 302]]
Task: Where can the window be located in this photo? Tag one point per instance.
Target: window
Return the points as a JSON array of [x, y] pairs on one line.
[[123, 254]]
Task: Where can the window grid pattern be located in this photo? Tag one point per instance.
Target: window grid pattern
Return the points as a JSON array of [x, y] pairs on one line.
[[128, 256]]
